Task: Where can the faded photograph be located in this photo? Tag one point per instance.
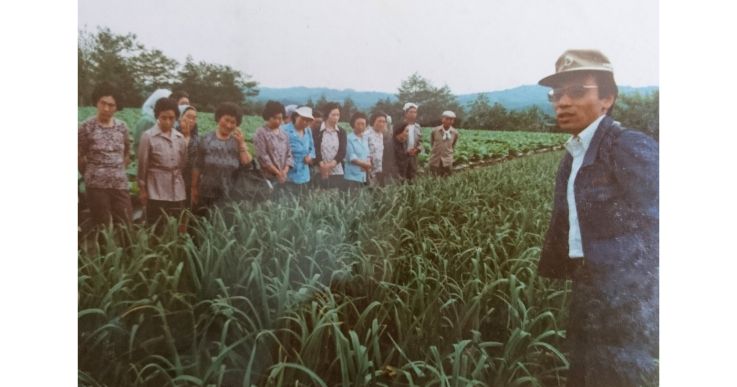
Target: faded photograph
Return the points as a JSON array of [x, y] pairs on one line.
[[371, 193]]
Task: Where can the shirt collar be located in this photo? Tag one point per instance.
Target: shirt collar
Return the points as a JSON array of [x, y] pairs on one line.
[[173, 133], [323, 127], [579, 144]]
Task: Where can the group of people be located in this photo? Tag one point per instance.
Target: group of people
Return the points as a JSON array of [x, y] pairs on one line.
[[296, 149], [603, 233]]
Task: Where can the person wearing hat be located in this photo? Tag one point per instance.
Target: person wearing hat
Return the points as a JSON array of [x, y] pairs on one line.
[[303, 149], [413, 145], [603, 231], [443, 140], [288, 110]]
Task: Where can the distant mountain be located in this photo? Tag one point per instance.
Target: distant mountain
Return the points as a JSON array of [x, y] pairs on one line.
[[299, 95], [516, 98]]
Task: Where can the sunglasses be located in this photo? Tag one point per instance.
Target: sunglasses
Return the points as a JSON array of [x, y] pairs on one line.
[[575, 92]]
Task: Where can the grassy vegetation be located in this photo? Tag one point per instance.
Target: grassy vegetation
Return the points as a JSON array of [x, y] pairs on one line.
[[421, 285]]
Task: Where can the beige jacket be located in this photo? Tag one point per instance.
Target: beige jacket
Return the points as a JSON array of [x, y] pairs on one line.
[[161, 160], [442, 149]]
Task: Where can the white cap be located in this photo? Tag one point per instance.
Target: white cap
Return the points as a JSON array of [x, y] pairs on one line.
[[305, 111], [409, 105], [290, 109], [448, 113]]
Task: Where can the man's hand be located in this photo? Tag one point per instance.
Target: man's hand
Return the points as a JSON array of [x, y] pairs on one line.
[[308, 160]]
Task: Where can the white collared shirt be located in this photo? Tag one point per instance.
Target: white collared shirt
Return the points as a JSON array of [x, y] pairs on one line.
[[577, 146], [411, 138]]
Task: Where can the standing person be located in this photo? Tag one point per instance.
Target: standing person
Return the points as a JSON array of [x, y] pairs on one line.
[[272, 145], [316, 123], [359, 160], [162, 158], [186, 125], [414, 139], [303, 149], [375, 136], [181, 97], [219, 155], [103, 156], [330, 148], [147, 119], [603, 231], [443, 140], [399, 149], [288, 110]]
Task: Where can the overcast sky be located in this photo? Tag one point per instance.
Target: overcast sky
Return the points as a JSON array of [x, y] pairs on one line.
[[471, 46]]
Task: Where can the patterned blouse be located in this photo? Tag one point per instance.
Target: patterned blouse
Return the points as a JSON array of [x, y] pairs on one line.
[[105, 151], [217, 160], [376, 149], [272, 148], [329, 148]]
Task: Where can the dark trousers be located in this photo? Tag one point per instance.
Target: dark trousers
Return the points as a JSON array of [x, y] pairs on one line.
[[351, 185], [296, 189], [410, 171], [332, 182], [441, 171], [157, 209], [109, 206], [610, 344]]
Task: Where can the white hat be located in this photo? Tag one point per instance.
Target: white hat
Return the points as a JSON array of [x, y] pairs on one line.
[[448, 113], [290, 109], [409, 105], [305, 111]]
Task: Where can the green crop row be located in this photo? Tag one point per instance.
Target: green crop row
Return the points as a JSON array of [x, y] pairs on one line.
[[408, 285]]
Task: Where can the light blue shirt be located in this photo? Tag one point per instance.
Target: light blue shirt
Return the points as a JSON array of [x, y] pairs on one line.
[[577, 147], [301, 147], [357, 149]]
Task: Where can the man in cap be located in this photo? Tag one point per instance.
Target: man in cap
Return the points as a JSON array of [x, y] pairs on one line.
[[443, 140], [603, 233], [414, 140]]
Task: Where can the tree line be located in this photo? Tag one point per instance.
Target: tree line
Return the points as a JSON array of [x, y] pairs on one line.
[[138, 71], [104, 56]]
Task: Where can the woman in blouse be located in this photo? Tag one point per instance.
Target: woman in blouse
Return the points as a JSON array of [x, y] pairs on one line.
[[162, 156], [186, 125], [303, 149], [359, 161], [219, 155], [375, 136], [330, 147], [272, 145]]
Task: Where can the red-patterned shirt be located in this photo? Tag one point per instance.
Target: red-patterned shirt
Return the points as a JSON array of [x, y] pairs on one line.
[[105, 150]]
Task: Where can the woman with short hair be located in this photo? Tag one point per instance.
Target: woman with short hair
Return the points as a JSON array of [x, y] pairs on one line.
[[219, 155], [162, 157], [330, 148], [359, 159]]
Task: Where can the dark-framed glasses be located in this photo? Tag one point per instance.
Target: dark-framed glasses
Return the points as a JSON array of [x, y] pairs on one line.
[[575, 91]]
